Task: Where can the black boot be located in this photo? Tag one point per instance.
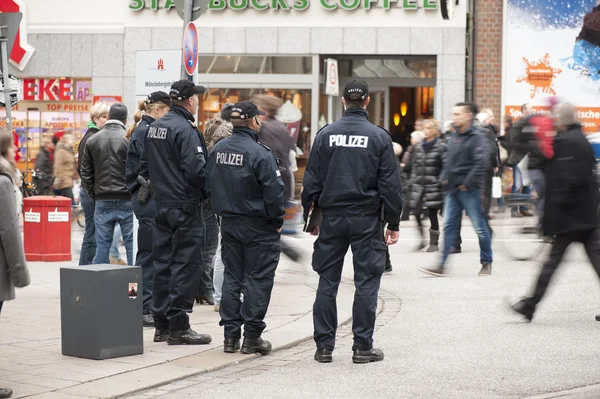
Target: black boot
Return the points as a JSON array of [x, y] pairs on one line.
[[208, 299], [367, 356], [434, 239], [188, 337], [257, 345], [598, 317], [161, 335], [231, 345], [324, 355], [525, 308], [5, 393], [422, 244]]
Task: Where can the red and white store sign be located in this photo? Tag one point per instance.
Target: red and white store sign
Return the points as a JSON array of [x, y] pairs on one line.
[[21, 51], [56, 89]]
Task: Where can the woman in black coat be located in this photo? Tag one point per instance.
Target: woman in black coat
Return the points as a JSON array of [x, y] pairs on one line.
[[425, 184]]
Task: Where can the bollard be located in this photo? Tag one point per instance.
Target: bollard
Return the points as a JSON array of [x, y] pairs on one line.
[[101, 311]]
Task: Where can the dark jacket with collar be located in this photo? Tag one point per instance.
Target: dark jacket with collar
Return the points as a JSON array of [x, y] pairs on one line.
[[352, 168], [103, 163], [571, 188], [466, 160], [134, 153], [244, 179], [426, 170], [174, 159], [92, 129]]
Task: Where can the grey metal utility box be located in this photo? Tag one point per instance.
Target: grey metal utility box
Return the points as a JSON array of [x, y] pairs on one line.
[[101, 312]]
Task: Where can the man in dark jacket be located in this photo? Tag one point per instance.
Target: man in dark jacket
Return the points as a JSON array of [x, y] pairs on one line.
[[353, 177], [572, 200], [43, 167], [247, 192], [174, 160], [103, 177], [98, 117], [463, 174]]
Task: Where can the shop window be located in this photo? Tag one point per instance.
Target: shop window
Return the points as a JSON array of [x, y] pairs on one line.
[[297, 103], [400, 67], [254, 65]]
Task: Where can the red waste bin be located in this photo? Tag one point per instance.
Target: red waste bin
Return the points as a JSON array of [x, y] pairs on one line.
[[47, 228]]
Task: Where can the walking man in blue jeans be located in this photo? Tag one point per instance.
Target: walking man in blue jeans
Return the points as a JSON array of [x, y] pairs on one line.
[[463, 176], [103, 176]]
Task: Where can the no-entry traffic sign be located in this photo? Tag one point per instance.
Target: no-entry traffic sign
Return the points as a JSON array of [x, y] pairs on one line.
[[190, 49]]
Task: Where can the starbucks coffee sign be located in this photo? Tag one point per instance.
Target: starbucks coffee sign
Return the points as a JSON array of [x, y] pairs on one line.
[[297, 5]]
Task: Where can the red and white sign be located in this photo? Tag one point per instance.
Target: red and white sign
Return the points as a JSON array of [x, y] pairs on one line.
[[332, 87], [21, 52], [55, 89], [107, 99]]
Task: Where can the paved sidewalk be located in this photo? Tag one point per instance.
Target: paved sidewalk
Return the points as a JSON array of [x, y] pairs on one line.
[[32, 365]]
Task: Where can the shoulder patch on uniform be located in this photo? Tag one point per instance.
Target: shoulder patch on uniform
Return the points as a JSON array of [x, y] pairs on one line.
[[384, 129], [263, 145], [319, 131]]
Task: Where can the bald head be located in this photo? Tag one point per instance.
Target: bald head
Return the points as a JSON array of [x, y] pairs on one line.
[[565, 115]]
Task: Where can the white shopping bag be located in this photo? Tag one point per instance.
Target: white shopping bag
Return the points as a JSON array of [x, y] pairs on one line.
[[523, 165], [497, 187]]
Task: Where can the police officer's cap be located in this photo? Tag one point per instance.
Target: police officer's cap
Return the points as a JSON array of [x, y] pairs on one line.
[[356, 90], [184, 89], [245, 110], [158, 97]]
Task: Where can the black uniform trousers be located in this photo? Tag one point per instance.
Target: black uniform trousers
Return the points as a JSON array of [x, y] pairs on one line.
[[591, 242], [250, 250], [365, 235], [211, 242], [145, 214], [177, 254]]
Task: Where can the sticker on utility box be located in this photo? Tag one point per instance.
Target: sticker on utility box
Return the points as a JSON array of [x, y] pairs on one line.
[[57, 216], [33, 217]]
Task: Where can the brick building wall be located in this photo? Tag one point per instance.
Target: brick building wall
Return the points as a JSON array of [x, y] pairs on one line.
[[488, 53]]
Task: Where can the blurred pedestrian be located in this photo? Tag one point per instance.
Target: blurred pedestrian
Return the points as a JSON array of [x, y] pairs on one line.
[[103, 177], [515, 158], [572, 199], [13, 266], [462, 176], [353, 177], [247, 193], [98, 117], [65, 171], [175, 155], [425, 182], [151, 108], [44, 167], [405, 170], [216, 130]]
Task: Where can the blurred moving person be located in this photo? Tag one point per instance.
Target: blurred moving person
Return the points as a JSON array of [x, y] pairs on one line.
[[426, 190], [572, 199], [65, 171], [463, 177], [43, 163]]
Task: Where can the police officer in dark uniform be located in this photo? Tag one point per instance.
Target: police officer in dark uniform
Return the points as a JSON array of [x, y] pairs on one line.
[[175, 154], [156, 105], [353, 177], [247, 192]]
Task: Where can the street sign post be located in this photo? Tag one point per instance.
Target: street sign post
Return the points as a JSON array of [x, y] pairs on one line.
[[190, 49], [9, 26], [15, 87], [332, 85], [198, 8]]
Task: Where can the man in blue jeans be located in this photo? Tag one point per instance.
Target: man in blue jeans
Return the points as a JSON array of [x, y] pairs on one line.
[[103, 176], [463, 177]]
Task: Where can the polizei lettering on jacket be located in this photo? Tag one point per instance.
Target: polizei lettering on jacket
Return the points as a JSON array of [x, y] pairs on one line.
[[157, 132], [225, 158], [342, 140]]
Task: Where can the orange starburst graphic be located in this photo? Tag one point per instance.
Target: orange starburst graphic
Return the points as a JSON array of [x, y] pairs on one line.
[[540, 76]]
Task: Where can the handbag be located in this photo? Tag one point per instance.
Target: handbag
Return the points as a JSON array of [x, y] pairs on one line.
[[497, 187]]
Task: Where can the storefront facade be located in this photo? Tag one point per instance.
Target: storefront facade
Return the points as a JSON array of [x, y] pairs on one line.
[[413, 59]]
